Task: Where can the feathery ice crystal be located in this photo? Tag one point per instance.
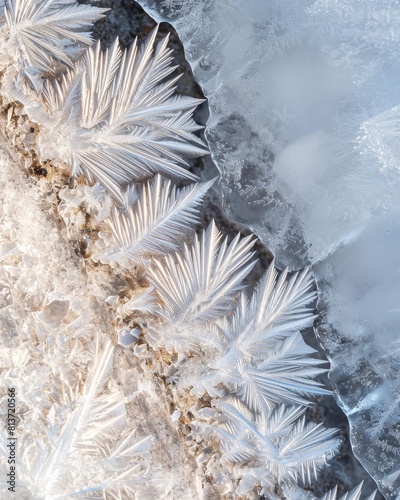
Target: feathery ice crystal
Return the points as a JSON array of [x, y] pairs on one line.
[[115, 120], [37, 38], [113, 117], [153, 224]]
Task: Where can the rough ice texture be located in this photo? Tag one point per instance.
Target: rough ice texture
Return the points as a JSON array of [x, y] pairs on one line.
[[304, 127]]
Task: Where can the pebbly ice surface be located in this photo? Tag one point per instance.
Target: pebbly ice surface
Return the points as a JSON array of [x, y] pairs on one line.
[[248, 135]]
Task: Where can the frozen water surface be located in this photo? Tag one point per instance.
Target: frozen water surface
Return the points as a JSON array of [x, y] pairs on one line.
[[304, 126]]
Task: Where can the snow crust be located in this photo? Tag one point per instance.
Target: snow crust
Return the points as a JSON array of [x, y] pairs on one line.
[[304, 126]]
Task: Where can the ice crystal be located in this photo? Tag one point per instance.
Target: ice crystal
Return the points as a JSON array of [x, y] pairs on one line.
[[81, 452], [115, 119], [282, 446], [144, 301], [261, 355], [36, 36], [199, 285], [156, 224]]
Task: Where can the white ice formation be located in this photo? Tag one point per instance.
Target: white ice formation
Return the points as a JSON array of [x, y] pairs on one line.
[[146, 377]]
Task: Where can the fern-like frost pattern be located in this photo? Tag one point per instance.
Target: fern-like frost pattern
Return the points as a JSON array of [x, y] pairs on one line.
[[282, 446], [115, 122], [197, 287], [262, 354], [155, 224], [37, 36]]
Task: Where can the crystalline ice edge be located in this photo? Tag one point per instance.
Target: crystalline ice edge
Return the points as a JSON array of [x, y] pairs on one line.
[[304, 127]]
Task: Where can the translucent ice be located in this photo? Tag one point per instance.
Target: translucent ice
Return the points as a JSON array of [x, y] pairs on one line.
[[305, 128]]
